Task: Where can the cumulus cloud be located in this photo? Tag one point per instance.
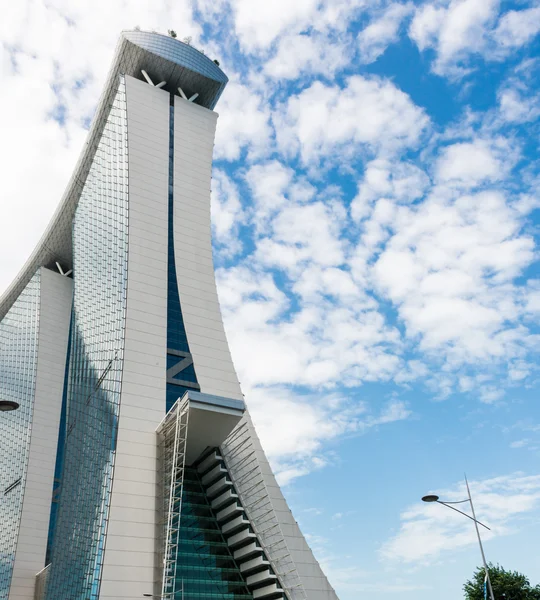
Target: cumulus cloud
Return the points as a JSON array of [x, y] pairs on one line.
[[227, 214], [403, 182], [308, 422], [517, 27], [517, 105], [324, 342], [382, 31], [460, 30], [455, 29], [258, 25], [302, 54], [323, 120], [449, 268], [243, 123], [470, 163], [430, 531]]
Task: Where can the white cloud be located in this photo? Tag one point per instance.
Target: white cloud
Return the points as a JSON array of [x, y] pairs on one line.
[[319, 345], [488, 394], [243, 123], [530, 443], [259, 24], [323, 121], [515, 106], [426, 25], [271, 185], [455, 29], [384, 179], [430, 531], [305, 233], [382, 31], [517, 27], [227, 214], [302, 54], [459, 30], [448, 268], [470, 163], [307, 423]]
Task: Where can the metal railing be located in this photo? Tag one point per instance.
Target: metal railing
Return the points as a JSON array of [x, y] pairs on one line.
[[246, 475], [172, 437]]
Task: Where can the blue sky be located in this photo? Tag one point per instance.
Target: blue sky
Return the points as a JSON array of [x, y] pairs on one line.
[[375, 210]]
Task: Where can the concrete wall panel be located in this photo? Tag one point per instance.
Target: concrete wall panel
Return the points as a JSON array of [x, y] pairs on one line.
[[56, 294], [129, 561]]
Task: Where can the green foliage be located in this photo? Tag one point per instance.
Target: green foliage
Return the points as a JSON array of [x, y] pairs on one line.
[[507, 585], [172, 33]]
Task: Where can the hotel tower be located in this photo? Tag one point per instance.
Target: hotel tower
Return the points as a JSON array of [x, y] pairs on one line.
[[129, 465]]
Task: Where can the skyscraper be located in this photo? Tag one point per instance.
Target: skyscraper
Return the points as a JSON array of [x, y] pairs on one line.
[[131, 468]]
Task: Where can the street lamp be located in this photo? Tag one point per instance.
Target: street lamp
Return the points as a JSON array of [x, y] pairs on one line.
[[433, 498], [7, 405]]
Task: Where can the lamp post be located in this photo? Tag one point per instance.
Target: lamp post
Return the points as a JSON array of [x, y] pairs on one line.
[[434, 498], [8, 405]]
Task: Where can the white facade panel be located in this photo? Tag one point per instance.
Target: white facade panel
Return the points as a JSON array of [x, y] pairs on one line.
[[194, 128], [131, 531], [56, 294]]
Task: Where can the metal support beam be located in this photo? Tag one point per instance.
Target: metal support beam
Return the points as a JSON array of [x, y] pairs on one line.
[[173, 440]]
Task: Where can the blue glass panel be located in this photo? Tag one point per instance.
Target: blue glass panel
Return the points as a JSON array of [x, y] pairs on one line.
[[205, 566]]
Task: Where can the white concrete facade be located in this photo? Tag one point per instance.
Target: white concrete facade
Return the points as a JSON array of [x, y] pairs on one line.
[[194, 129], [131, 542], [128, 567], [56, 293]]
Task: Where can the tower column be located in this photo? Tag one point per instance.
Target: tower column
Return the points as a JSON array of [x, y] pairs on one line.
[[128, 564], [55, 296]]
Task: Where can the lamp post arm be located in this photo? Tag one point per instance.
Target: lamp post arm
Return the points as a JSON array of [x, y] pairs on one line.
[[463, 513]]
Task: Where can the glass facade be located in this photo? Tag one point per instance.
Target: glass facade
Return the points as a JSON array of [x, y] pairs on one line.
[[100, 245], [18, 363], [205, 568]]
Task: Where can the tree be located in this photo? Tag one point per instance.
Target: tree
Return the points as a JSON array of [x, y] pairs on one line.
[[507, 585], [172, 33]]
